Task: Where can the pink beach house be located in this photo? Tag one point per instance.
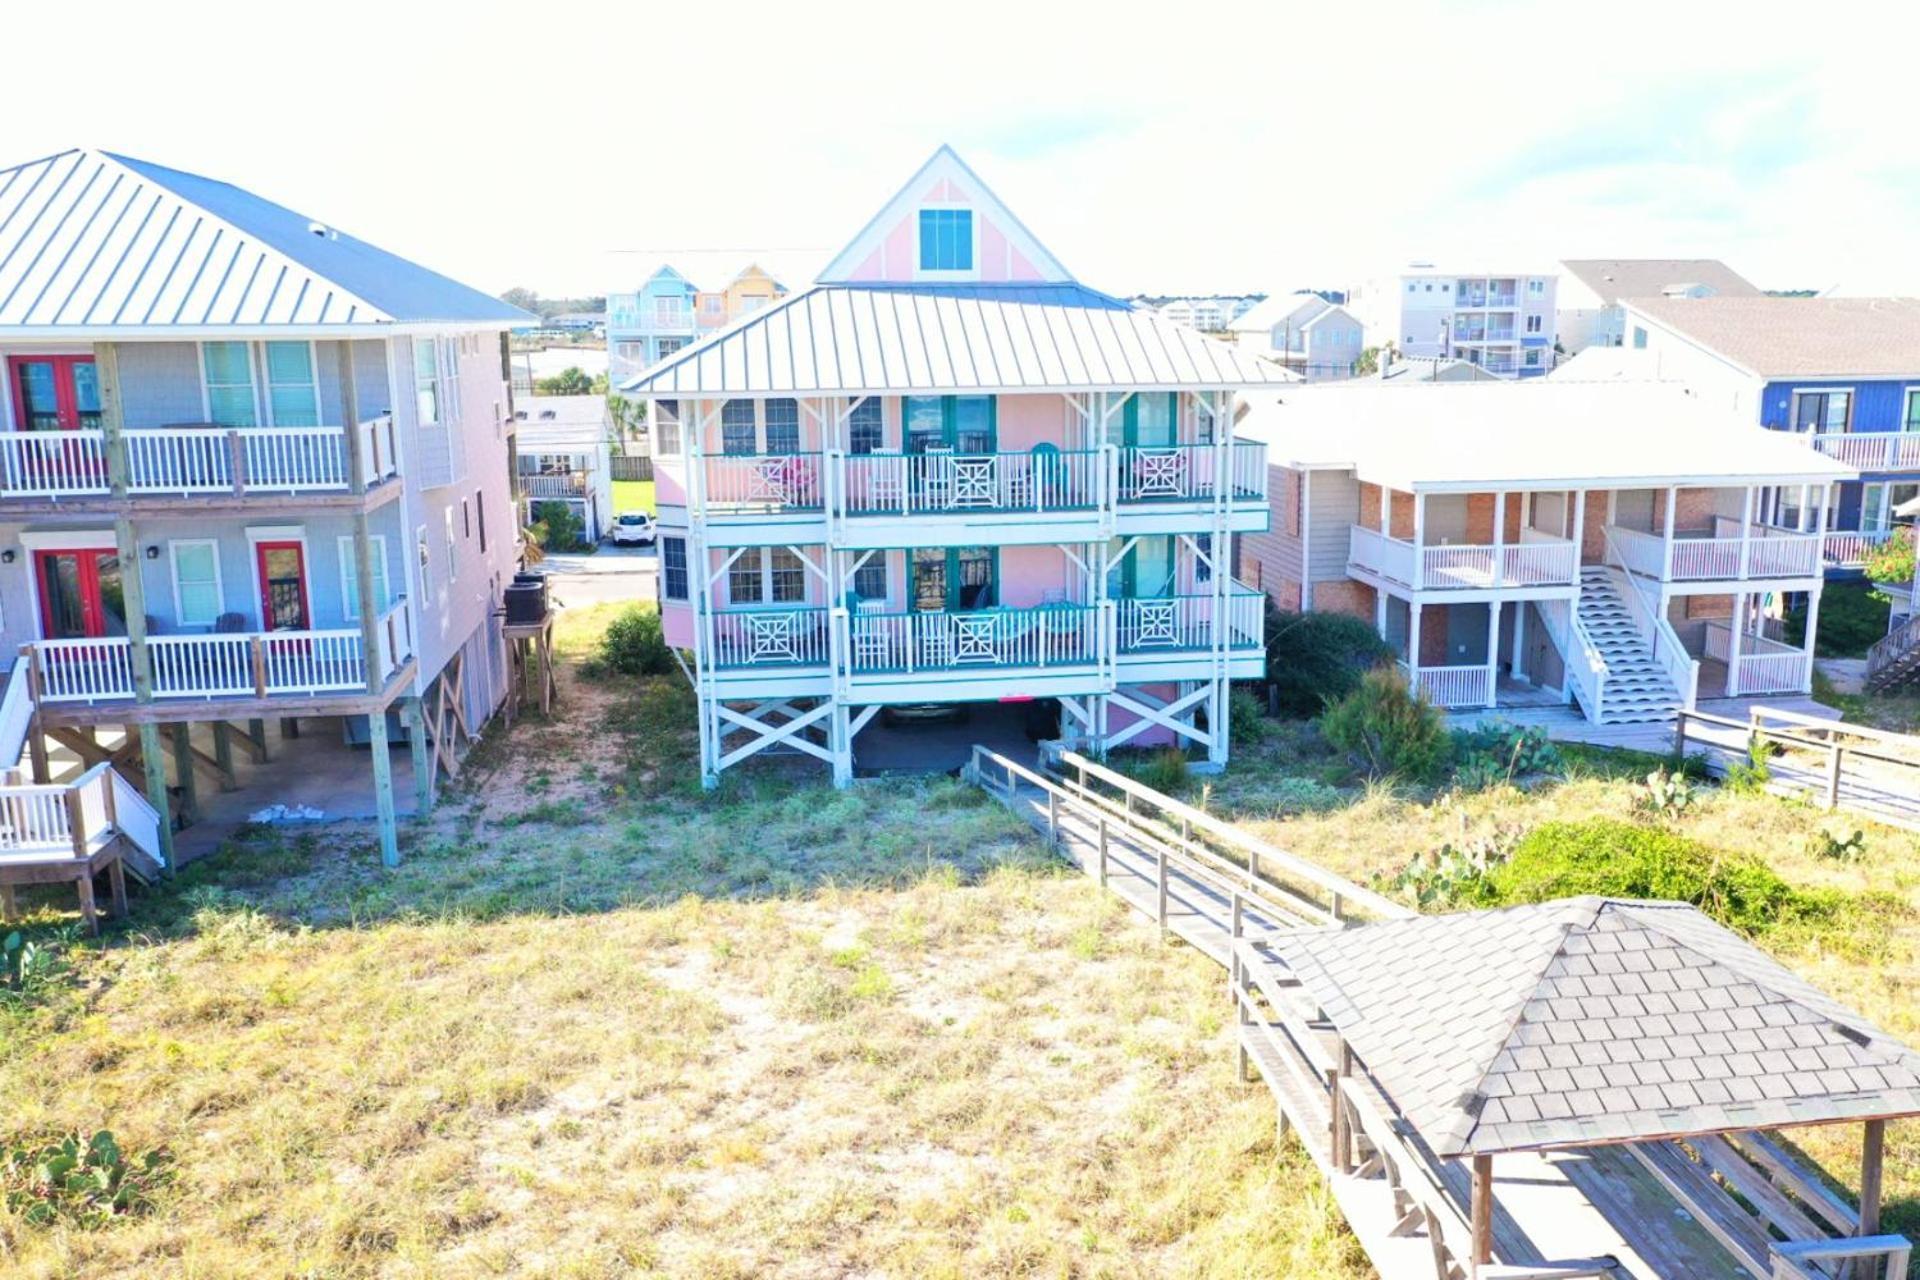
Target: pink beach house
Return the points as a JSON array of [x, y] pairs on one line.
[[950, 473]]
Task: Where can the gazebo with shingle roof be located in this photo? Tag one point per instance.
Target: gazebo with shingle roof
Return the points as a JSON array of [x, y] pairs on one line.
[[1596, 1021]]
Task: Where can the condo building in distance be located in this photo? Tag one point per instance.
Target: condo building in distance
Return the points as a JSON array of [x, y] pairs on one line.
[[1502, 321], [669, 312], [949, 473]]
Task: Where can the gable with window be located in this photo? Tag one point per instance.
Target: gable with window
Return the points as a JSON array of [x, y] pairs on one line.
[[946, 239]]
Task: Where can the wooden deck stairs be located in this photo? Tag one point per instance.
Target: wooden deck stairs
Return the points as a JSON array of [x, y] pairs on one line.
[[1637, 689], [1894, 660]]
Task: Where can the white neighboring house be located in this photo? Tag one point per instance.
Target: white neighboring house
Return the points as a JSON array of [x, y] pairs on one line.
[[1503, 321], [1511, 562], [565, 456], [1317, 339], [1588, 308]]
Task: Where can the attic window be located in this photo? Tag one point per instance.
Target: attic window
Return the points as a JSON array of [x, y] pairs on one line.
[[946, 239]]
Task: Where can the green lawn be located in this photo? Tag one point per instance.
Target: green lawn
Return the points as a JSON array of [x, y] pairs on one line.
[[634, 495]]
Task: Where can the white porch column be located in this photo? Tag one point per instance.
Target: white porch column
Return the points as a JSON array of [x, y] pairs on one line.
[[1746, 530], [1519, 656], [1413, 645], [1813, 625], [1499, 537], [1806, 499], [1419, 541], [1579, 531], [1673, 502], [1733, 644], [1493, 652]]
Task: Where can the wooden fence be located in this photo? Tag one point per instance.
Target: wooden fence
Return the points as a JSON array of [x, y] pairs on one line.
[[637, 466], [1833, 764]]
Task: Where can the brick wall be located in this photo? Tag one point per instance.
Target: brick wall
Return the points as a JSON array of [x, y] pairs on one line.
[[1400, 513], [1345, 596], [1593, 538], [1433, 636]]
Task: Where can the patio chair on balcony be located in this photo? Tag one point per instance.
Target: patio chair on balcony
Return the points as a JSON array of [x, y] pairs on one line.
[[228, 624]]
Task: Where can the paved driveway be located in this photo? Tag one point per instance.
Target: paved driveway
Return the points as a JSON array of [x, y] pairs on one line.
[[611, 573]]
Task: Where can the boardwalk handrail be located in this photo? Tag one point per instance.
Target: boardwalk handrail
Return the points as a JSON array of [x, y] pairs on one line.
[[1198, 865], [1863, 776], [1261, 857]]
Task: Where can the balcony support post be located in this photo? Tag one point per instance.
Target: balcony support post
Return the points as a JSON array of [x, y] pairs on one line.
[[1419, 541], [183, 772], [1673, 500], [106, 367], [1813, 627], [1739, 621], [1493, 652], [414, 714], [1413, 642], [370, 611], [1499, 538], [1579, 531], [1746, 529]]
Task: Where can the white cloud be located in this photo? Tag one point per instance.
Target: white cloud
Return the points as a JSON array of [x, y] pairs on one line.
[[1198, 147]]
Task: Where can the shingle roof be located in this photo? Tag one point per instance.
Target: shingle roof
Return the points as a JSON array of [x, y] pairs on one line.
[[1799, 337], [855, 339], [1615, 278], [91, 241], [1592, 1020]]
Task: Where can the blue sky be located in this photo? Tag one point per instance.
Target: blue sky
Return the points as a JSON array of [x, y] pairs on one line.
[[1227, 146]]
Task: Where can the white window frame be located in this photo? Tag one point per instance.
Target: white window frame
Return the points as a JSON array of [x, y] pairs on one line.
[[1793, 408], [439, 399], [264, 393], [453, 548], [973, 231], [686, 569], [423, 554], [350, 575], [255, 376], [1906, 407], [219, 584]]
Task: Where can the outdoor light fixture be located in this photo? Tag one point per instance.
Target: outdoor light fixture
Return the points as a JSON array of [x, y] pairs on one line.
[[6, 557], [153, 551]]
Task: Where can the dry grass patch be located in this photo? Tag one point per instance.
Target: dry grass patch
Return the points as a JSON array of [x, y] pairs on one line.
[[1000, 1078]]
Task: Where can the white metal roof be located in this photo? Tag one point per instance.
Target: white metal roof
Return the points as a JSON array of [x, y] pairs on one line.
[[560, 424], [1470, 436], [880, 339], [97, 243]]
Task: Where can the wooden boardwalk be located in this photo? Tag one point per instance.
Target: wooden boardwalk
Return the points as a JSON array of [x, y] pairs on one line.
[[1221, 892]]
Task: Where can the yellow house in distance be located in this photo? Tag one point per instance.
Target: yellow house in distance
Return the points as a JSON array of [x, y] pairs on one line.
[[751, 290]]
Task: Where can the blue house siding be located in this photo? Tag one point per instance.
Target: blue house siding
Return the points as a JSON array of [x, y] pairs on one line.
[[1877, 406]]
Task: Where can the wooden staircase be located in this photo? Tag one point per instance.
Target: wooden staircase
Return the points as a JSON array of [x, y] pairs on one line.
[[1894, 660], [1637, 689]]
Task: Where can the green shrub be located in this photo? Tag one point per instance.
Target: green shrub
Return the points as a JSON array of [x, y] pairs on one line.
[[556, 528], [1891, 561], [1751, 778], [1316, 658], [1497, 751], [1852, 616], [1455, 874], [634, 644], [1623, 860], [1165, 770], [1385, 730], [1247, 722], [77, 1181]]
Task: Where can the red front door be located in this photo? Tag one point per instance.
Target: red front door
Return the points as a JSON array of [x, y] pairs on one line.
[[80, 595], [54, 393], [282, 568]]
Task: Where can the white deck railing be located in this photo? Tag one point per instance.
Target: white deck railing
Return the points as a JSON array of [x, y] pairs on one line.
[[772, 637], [1770, 553], [1045, 636], [1872, 450], [906, 483], [52, 464], [1586, 670], [763, 482], [572, 484], [60, 819], [1448, 687], [1177, 623], [1536, 560], [16, 716], [196, 460], [1763, 666], [241, 664], [1848, 550], [1185, 472]]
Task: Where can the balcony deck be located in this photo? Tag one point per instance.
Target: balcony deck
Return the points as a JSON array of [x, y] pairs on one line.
[[91, 681], [1536, 564], [1871, 450], [197, 468], [1768, 553]]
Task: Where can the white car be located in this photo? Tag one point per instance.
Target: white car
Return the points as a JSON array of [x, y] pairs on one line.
[[632, 527]]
